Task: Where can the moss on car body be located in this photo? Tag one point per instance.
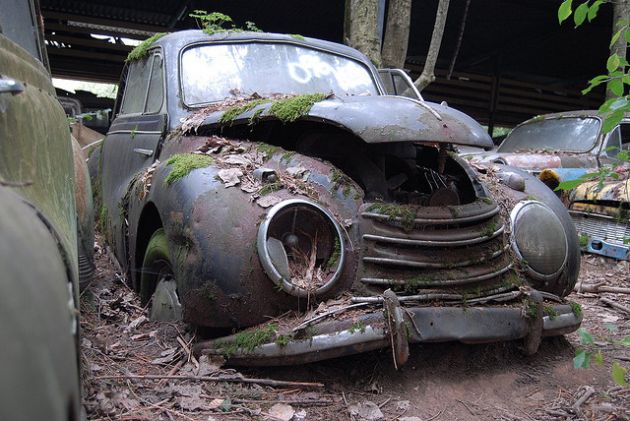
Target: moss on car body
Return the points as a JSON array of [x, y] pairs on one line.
[[183, 164]]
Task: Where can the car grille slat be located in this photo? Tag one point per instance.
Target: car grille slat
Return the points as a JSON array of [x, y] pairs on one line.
[[601, 227], [474, 239]]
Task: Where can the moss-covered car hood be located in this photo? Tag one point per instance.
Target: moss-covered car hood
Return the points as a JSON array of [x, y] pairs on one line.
[[380, 119]]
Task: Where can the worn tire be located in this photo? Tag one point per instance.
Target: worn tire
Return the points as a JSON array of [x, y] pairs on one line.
[[156, 259]]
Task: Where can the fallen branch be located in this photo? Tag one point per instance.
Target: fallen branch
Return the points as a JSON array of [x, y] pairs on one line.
[[266, 382], [615, 305], [595, 288], [588, 392]]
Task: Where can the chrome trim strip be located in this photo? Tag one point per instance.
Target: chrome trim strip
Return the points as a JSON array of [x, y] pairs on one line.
[[439, 282], [446, 265], [134, 132], [435, 221], [412, 242]]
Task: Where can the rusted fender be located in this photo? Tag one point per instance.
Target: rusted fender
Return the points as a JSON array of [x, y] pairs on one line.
[[85, 215], [615, 191], [84, 135], [379, 119], [212, 233]]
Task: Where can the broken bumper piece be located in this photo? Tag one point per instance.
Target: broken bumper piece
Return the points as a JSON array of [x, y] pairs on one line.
[[396, 326]]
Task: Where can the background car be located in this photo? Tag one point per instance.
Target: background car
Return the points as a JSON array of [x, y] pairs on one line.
[[566, 146], [45, 226], [250, 174]]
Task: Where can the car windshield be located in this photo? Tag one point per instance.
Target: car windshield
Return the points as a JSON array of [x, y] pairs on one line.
[[568, 134], [215, 72]]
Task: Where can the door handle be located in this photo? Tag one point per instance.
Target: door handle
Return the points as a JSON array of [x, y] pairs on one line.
[[145, 152], [10, 86]]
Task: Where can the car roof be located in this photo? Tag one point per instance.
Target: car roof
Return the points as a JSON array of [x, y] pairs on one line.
[[564, 114], [180, 39]]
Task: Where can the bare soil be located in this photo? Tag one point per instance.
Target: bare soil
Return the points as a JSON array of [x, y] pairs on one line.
[[439, 382]]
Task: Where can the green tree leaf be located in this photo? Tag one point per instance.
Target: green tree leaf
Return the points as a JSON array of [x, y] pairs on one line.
[[619, 374], [616, 86], [612, 120], [580, 14], [585, 337], [592, 11], [599, 358], [564, 11], [570, 184], [615, 37], [612, 63], [581, 359]]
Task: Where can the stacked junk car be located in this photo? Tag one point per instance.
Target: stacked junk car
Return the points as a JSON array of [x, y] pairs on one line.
[[266, 187]]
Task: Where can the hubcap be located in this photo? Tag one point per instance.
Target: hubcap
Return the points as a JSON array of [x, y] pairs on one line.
[[165, 305]]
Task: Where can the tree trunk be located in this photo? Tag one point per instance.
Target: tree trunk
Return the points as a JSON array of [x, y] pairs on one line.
[[361, 27], [621, 13], [396, 34], [428, 73]]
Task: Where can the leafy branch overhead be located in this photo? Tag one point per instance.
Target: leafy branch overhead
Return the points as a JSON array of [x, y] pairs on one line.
[[617, 77], [617, 80]]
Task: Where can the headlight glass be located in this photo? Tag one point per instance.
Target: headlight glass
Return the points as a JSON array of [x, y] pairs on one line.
[[539, 238], [301, 247]]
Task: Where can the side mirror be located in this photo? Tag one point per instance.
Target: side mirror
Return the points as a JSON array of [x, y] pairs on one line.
[[397, 82]]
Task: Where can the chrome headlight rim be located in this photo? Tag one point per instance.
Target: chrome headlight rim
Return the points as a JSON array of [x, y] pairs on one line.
[[528, 269], [268, 265]]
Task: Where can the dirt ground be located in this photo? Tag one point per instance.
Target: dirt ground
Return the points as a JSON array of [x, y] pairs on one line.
[[121, 349]]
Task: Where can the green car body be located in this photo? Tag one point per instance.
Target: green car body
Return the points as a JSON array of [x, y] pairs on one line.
[[45, 219]]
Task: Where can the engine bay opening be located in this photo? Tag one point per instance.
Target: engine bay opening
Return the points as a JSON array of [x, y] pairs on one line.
[[403, 172]]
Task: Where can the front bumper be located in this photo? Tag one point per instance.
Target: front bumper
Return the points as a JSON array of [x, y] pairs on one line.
[[396, 326]]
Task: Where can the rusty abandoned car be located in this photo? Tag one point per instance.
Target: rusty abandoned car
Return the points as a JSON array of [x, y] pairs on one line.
[[46, 238], [566, 146], [267, 182]]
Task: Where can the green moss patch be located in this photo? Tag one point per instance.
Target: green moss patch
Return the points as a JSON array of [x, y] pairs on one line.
[[576, 309], [231, 113], [340, 180], [394, 211], [142, 50], [267, 149], [249, 340], [183, 164], [290, 109]]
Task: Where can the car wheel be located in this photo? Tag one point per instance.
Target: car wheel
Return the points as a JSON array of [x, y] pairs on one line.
[[158, 287]]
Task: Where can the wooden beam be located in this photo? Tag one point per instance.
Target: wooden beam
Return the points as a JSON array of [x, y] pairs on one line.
[[74, 52], [87, 42], [101, 21], [52, 26]]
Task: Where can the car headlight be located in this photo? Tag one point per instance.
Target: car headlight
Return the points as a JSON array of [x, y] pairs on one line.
[[301, 247], [539, 239]]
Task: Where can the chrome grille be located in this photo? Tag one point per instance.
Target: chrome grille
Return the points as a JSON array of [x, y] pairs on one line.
[[457, 250], [601, 227]]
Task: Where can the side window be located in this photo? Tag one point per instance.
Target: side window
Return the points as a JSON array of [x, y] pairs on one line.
[[397, 82], [136, 87], [156, 87]]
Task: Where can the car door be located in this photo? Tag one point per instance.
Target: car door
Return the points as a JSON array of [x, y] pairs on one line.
[[132, 141]]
